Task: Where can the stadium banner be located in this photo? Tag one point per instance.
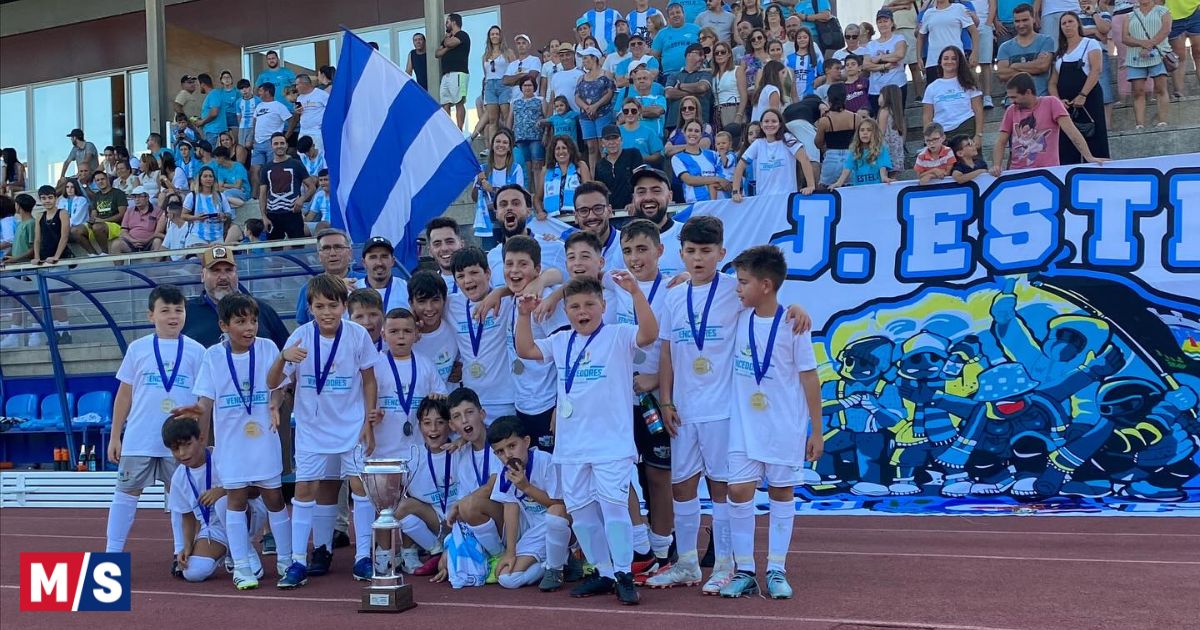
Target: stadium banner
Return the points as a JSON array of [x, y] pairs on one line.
[[1022, 344]]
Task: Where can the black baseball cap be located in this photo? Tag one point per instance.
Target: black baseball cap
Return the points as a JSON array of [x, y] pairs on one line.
[[204, 144], [610, 131], [76, 133], [377, 241], [648, 171]]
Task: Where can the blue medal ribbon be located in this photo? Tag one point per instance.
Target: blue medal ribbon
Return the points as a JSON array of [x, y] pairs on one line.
[[387, 295], [476, 335], [444, 494], [168, 382], [505, 484], [248, 398], [761, 372], [698, 335], [487, 467], [405, 401], [323, 373], [205, 510], [573, 367], [650, 297]]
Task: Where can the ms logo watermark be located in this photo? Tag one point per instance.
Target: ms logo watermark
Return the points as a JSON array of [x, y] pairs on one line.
[[74, 581]]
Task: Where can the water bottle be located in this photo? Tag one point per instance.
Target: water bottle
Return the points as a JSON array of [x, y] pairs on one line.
[[650, 413]]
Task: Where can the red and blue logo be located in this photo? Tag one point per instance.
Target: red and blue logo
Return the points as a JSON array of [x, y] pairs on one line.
[[75, 581]]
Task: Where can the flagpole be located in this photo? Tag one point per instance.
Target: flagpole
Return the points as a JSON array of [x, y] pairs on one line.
[[435, 24]]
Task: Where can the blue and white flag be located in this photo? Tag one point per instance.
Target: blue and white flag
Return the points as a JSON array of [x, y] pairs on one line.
[[396, 160]]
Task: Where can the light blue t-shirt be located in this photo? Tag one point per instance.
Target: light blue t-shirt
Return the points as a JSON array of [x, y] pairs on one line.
[[281, 77], [691, 9], [565, 124], [671, 44], [1004, 9], [865, 173], [214, 99], [644, 139], [234, 172], [622, 69], [1013, 52]]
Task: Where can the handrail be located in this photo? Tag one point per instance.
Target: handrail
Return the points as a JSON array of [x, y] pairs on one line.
[[110, 259]]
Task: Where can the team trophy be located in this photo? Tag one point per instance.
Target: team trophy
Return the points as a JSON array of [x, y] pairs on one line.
[[386, 484]]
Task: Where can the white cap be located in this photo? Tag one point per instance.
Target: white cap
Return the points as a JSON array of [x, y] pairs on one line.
[[139, 191], [524, 37], [590, 52]]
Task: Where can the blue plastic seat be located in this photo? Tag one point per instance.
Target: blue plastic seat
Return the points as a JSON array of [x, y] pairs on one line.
[[22, 406], [99, 403], [52, 412]]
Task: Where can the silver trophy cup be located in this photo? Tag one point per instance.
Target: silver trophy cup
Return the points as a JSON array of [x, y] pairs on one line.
[[386, 483]]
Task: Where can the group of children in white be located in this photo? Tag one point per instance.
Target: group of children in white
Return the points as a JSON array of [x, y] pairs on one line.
[[536, 450]]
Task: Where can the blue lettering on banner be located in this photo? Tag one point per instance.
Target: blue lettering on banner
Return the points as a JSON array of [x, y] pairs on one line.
[[1021, 227], [933, 224], [806, 244], [1114, 205], [1181, 248]]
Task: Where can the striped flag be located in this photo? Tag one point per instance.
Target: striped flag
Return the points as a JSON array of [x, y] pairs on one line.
[[395, 159]]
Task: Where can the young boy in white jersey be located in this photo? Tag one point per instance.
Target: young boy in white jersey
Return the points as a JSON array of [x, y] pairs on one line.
[[197, 496], [481, 345], [585, 259], [775, 385], [432, 490], [157, 376], [331, 362], [243, 414], [366, 309], [403, 379], [475, 468], [427, 294], [696, 361], [593, 436]]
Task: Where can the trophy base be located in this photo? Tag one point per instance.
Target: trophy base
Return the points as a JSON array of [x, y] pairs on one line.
[[387, 600]]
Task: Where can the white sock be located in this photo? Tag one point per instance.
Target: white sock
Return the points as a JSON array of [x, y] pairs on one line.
[[619, 532], [488, 535], [530, 576], [588, 523], [779, 536], [641, 539], [419, 532], [558, 535], [687, 529], [237, 529], [176, 532], [302, 523], [364, 515], [323, 519], [281, 528], [722, 546], [741, 526], [120, 519], [661, 545]]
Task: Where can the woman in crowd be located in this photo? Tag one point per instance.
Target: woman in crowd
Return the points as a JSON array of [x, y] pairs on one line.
[[756, 57], [708, 40], [14, 172], [207, 209], [805, 64], [689, 109], [954, 101], [1146, 31], [894, 126], [640, 135], [496, 56], [525, 118], [773, 23], [727, 92], [237, 152], [748, 11], [170, 177], [698, 170], [835, 132], [561, 177], [550, 65], [941, 26], [125, 181], [772, 87], [501, 169], [149, 177], [774, 157], [885, 61], [868, 162], [594, 96], [1078, 69]]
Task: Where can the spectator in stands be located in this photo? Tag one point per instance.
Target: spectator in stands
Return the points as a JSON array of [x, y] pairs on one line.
[[325, 77], [756, 57], [108, 160], [671, 43], [232, 179], [212, 110], [561, 177], [835, 132], [953, 101], [143, 227], [727, 92], [651, 97], [283, 188], [716, 18], [689, 110], [985, 14], [564, 81], [942, 25], [1078, 70], [774, 156], [108, 209], [275, 74], [53, 229], [125, 181], [1185, 31], [1032, 123], [858, 85], [749, 11], [904, 19], [1146, 30], [178, 233], [496, 95], [246, 104], [186, 162], [638, 17], [602, 21], [13, 173], [770, 89], [699, 170], [638, 134], [454, 51], [708, 41], [219, 274], [823, 13], [237, 152], [207, 208], [416, 65], [884, 59], [171, 178], [21, 246], [855, 45], [639, 57], [229, 99], [270, 118], [1052, 11], [154, 144], [309, 154], [83, 153], [1029, 52], [316, 217], [78, 209], [501, 169], [148, 179], [1096, 24], [805, 65], [892, 121], [524, 65], [253, 232], [868, 161], [691, 81], [525, 118], [310, 106], [936, 160], [832, 69], [185, 101], [593, 99], [616, 166], [773, 23], [335, 252]]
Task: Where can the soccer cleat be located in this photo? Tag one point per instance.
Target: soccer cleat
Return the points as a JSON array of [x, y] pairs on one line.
[[295, 577], [340, 539], [662, 566], [268, 544], [680, 574], [777, 585], [741, 584], [281, 567], [493, 562], [719, 578], [430, 567], [318, 563], [244, 578], [574, 571], [644, 564], [363, 570], [594, 584], [552, 580], [410, 560], [626, 590], [176, 570], [228, 562]]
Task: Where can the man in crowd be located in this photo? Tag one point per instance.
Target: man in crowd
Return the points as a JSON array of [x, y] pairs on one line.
[[219, 274], [83, 153], [454, 52], [671, 43], [275, 74], [1032, 123], [186, 102], [692, 80], [1029, 52], [310, 105], [284, 187]]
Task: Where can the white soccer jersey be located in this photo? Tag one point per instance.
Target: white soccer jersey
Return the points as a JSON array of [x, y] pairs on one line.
[[401, 381], [433, 480], [702, 376], [543, 475], [645, 361], [610, 249], [441, 348], [187, 486], [533, 381], [247, 445], [488, 370], [151, 402], [472, 468], [395, 295], [330, 421]]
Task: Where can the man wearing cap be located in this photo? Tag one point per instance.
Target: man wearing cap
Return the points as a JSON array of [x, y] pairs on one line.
[[219, 274], [639, 57], [379, 260], [602, 21], [692, 80], [454, 51], [670, 44], [616, 166], [564, 82], [335, 253], [107, 213], [212, 112], [83, 153], [142, 227], [651, 199], [186, 102], [525, 65]]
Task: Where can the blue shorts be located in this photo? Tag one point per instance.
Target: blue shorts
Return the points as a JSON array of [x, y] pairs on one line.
[[1107, 80], [261, 154], [592, 128], [495, 92], [1189, 25], [1157, 70], [530, 151]]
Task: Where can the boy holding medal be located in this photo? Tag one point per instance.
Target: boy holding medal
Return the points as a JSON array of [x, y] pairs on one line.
[[481, 344], [331, 362], [698, 332], [427, 294], [156, 375], [244, 416], [403, 380], [593, 436], [771, 418], [196, 494]]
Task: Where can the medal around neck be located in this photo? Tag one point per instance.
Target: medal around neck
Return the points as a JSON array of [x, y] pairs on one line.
[[386, 482]]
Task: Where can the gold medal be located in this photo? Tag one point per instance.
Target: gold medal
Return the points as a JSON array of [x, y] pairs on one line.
[[476, 370], [758, 401], [701, 366], [252, 429], [167, 405], [565, 409]]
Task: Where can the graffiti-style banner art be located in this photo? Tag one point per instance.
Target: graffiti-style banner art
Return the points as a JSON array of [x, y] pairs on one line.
[[1027, 344]]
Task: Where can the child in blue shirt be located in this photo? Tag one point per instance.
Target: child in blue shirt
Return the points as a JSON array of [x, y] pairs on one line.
[[564, 121], [869, 159]]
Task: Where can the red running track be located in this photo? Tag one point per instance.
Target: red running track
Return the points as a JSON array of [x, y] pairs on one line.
[[849, 572]]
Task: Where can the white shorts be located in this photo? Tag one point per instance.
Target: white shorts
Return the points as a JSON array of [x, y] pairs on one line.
[[742, 469], [453, 89], [987, 43], [608, 481], [329, 466], [910, 50], [273, 482], [138, 472], [532, 541], [701, 448]]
